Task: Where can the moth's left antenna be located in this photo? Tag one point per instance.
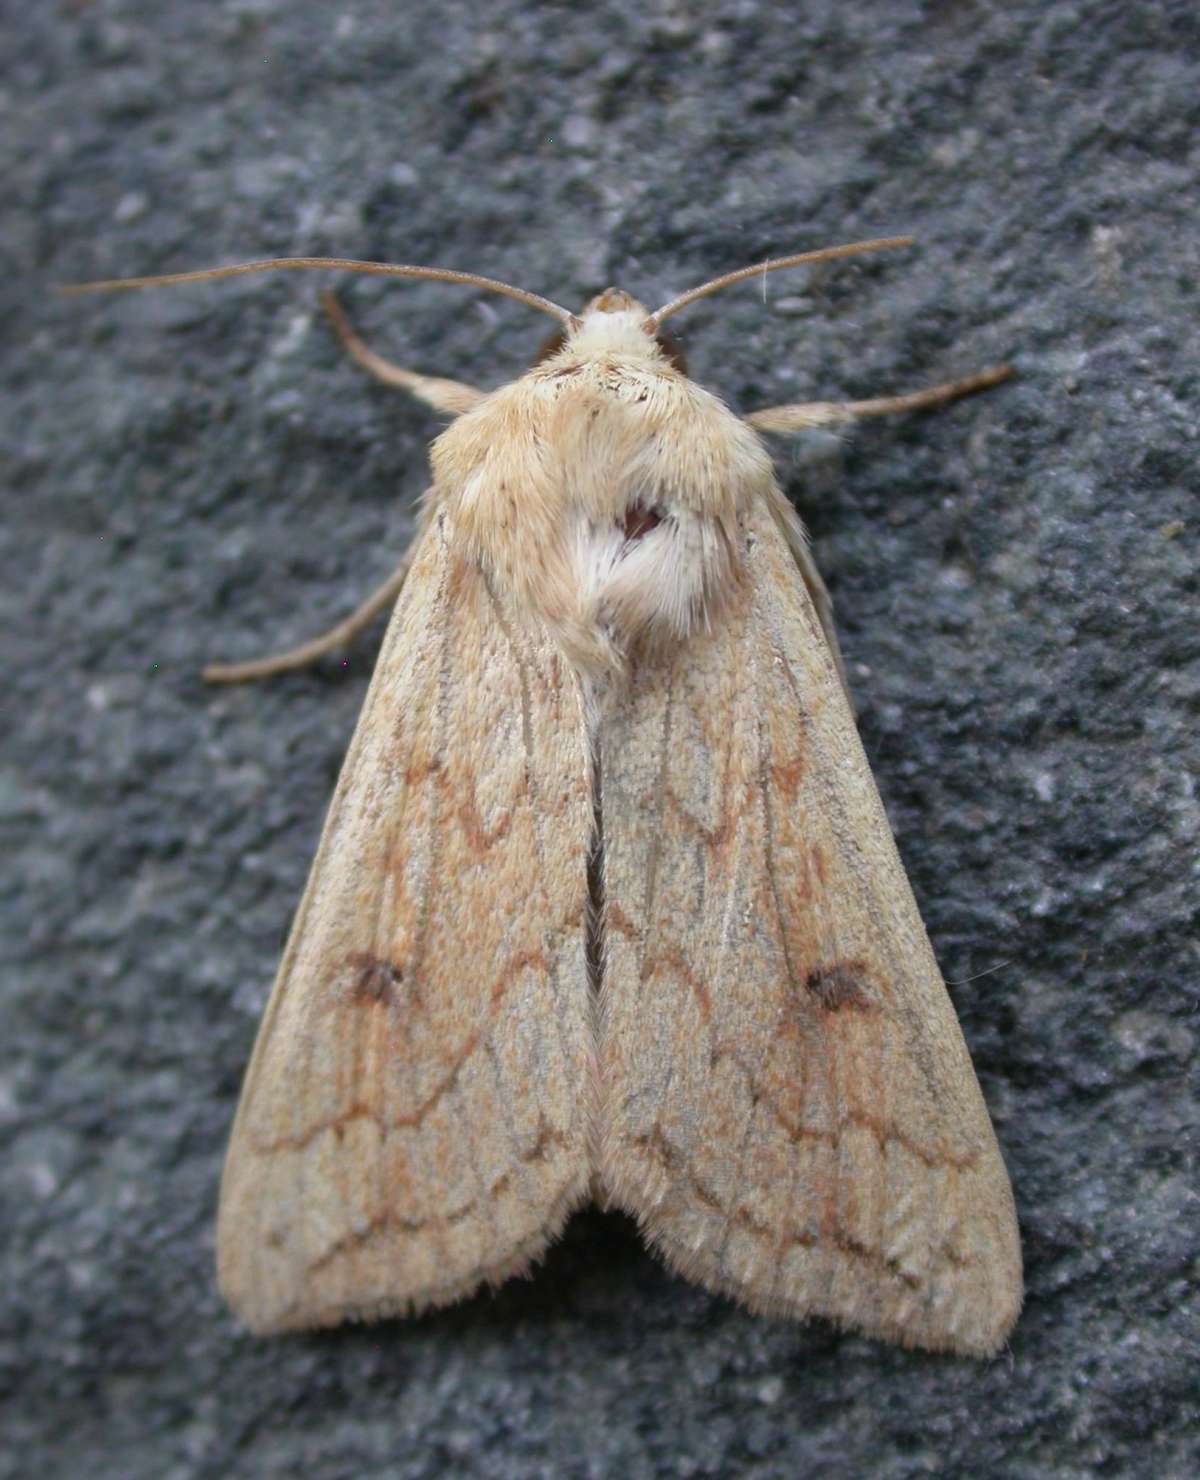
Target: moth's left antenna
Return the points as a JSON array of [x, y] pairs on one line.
[[334, 264]]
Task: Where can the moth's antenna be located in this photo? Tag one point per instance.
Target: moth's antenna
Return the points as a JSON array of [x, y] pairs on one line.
[[339, 264], [826, 254]]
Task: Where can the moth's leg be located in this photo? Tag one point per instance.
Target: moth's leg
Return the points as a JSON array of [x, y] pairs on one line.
[[443, 395], [834, 413], [309, 652]]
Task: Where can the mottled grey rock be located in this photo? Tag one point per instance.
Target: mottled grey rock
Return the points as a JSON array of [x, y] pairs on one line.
[[202, 474]]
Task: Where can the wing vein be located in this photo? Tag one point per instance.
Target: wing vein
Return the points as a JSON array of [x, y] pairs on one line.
[[645, 957]]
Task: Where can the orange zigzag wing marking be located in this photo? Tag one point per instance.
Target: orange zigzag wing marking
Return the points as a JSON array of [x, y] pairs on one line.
[[413, 1120], [789, 1108]]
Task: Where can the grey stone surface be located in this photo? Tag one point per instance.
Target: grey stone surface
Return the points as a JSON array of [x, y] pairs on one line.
[[201, 474]]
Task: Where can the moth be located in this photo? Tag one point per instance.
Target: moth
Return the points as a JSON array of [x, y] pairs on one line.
[[606, 906]]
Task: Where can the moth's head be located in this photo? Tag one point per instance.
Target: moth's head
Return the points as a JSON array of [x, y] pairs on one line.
[[614, 323]]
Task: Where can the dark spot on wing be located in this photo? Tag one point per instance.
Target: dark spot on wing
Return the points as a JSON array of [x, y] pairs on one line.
[[375, 980], [842, 985]]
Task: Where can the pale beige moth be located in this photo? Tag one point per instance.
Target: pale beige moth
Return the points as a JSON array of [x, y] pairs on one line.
[[606, 907]]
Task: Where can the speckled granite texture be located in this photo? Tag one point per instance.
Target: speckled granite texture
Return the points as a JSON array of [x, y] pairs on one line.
[[201, 474]]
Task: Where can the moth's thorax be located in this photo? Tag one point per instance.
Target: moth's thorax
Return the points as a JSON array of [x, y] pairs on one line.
[[603, 489]]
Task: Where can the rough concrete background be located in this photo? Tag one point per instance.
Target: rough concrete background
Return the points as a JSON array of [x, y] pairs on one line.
[[200, 473]]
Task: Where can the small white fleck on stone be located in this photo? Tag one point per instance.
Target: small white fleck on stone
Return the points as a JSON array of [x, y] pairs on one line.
[[130, 207], [770, 1390]]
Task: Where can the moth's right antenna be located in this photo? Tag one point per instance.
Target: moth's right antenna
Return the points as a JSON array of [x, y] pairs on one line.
[[825, 254]]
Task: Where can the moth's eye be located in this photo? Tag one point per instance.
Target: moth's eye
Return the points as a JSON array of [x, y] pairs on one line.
[[671, 348], [550, 346]]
